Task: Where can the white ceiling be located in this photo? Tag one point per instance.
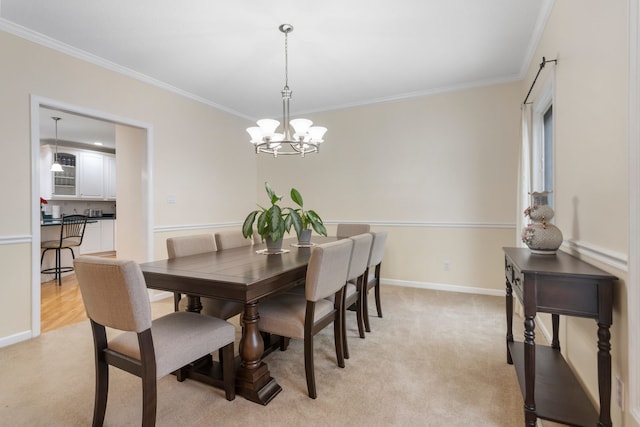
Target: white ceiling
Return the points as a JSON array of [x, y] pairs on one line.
[[342, 53]]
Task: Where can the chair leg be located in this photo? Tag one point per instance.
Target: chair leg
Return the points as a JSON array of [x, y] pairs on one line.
[[359, 317], [58, 267], [149, 380], [378, 306], [339, 338], [365, 308], [177, 296], [228, 372], [102, 374], [284, 344], [308, 366]]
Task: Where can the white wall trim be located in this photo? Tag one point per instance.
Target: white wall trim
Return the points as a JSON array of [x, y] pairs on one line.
[[608, 257], [14, 240], [15, 338], [427, 224], [442, 287], [633, 278]]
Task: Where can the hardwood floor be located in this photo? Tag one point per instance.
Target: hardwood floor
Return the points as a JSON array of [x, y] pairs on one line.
[[60, 305]]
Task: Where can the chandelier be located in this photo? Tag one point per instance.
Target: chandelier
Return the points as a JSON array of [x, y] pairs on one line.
[[298, 136]]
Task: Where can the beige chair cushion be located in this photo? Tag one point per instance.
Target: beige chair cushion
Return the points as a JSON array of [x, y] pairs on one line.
[[284, 314], [377, 248], [190, 245], [348, 230], [327, 269], [114, 293], [359, 255], [229, 239], [66, 243], [178, 339]]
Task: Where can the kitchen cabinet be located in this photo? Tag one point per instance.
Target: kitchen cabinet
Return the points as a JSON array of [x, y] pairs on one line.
[[91, 242], [99, 237], [91, 175], [86, 174], [110, 177]]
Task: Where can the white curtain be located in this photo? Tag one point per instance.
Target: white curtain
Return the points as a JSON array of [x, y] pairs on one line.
[[524, 173]]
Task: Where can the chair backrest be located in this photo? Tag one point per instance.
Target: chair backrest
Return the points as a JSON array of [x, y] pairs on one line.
[[190, 245], [377, 248], [72, 229], [359, 255], [348, 230], [327, 269], [229, 239], [114, 293]]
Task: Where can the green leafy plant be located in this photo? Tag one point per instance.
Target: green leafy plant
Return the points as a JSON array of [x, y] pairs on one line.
[[301, 219], [271, 222]]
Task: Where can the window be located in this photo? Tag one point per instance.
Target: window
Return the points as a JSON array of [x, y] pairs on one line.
[[542, 144]]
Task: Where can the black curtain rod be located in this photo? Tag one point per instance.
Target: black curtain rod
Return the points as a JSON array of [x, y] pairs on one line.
[[544, 61]]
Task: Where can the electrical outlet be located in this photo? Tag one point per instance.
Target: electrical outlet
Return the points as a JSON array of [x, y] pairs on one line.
[[447, 265], [619, 392], [171, 199]]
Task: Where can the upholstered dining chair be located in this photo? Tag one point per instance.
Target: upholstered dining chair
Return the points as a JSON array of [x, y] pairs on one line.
[[355, 284], [197, 244], [229, 239], [71, 234], [115, 296], [347, 230], [303, 316], [372, 276]]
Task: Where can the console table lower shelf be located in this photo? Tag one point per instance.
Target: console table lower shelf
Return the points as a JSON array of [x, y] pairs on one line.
[[559, 396]]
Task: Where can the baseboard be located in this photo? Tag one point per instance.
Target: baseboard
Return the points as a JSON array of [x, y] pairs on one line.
[[442, 287], [16, 338]]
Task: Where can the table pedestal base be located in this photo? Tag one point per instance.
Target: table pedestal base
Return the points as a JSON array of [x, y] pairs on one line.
[[257, 385]]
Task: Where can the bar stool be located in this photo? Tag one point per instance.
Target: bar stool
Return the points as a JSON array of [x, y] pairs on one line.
[[71, 234]]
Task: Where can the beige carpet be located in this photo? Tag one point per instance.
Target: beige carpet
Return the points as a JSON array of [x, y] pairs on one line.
[[435, 359]]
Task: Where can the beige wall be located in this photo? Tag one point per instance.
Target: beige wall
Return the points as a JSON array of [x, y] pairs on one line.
[[438, 172], [590, 40], [198, 155]]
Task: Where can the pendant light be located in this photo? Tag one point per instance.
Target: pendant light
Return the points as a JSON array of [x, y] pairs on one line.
[[56, 167], [298, 136]]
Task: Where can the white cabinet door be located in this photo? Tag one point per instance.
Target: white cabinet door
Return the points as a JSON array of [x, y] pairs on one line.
[[91, 242], [91, 175], [110, 176], [107, 229]]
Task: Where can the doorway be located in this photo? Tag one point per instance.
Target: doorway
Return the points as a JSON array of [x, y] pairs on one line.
[[133, 164]]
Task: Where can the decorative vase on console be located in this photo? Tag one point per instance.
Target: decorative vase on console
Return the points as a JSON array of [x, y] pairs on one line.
[[541, 236]]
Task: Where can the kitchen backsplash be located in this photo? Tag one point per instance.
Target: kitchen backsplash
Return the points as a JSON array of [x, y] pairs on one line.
[[68, 207]]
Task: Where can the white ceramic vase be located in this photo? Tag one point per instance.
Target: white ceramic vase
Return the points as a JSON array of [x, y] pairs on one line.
[[541, 236]]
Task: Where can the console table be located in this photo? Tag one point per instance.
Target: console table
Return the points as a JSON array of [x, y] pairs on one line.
[[561, 285]]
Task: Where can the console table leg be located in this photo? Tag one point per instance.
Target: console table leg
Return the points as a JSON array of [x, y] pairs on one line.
[[555, 324], [530, 416], [509, 301], [604, 374]]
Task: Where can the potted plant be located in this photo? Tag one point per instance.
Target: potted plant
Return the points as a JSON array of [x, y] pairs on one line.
[[302, 219], [271, 222]]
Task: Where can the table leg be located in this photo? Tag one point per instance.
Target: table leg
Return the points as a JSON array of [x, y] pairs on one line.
[[253, 380], [509, 301], [604, 374], [555, 324], [530, 416], [193, 304]]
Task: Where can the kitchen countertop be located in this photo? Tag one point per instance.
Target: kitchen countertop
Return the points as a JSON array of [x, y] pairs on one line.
[[48, 222]]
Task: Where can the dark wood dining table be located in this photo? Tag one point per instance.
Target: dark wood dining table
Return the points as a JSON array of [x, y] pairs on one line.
[[243, 275]]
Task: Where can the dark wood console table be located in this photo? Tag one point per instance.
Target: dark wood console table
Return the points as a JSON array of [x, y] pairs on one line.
[[561, 285]]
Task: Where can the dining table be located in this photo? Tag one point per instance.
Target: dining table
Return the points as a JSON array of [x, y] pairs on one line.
[[246, 274]]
